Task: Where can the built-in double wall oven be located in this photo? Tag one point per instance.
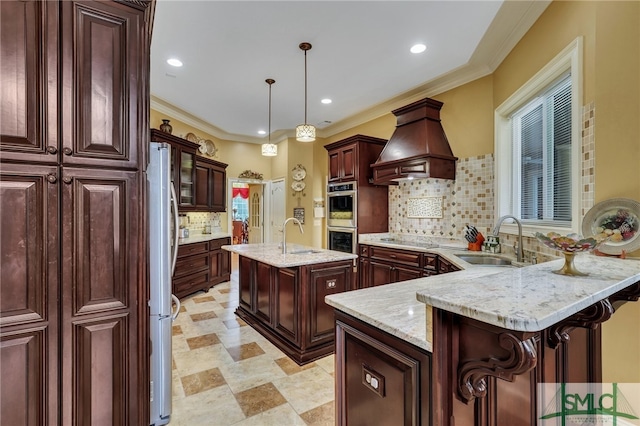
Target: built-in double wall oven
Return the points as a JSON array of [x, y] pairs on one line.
[[342, 216]]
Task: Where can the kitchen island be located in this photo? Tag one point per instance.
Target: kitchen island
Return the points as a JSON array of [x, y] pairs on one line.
[[469, 347], [282, 296]]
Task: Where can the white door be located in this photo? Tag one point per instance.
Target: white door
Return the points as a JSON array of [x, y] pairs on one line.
[[278, 200], [255, 214]]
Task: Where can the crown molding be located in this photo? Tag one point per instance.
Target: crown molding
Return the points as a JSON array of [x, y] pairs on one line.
[[179, 114]]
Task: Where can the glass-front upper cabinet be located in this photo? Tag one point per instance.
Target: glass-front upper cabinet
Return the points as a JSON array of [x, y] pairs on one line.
[[183, 159], [187, 179]]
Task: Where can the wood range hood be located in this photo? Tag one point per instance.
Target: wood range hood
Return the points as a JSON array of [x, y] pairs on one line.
[[418, 147]]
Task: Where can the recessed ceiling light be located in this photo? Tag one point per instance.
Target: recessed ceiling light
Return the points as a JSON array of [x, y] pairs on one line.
[[174, 62], [326, 101], [262, 132], [418, 48]]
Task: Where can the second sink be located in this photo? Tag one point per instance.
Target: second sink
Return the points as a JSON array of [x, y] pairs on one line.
[[484, 260]]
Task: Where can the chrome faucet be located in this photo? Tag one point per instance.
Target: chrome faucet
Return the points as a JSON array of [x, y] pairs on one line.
[[496, 230], [284, 232]]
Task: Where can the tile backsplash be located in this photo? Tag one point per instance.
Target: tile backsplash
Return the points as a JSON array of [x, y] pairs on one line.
[[197, 220], [467, 200], [470, 198]]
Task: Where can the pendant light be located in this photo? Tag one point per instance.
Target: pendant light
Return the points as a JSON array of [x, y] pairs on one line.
[[269, 149], [305, 132]]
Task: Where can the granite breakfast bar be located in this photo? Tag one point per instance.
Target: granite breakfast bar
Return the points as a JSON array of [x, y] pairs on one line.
[[469, 347], [282, 296]]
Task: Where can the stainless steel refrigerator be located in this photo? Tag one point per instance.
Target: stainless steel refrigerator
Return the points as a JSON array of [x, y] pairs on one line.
[[163, 247]]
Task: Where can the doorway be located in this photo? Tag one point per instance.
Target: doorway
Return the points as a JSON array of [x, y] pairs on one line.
[[247, 215]]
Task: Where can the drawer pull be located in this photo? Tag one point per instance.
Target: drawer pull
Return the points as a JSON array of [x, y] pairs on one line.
[[393, 256], [331, 283]]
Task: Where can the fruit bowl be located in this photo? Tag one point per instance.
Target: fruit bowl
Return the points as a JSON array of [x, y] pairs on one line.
[[569, 245]]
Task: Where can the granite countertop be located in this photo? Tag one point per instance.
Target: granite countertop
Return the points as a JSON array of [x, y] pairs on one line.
[[394, 308], [271, 254], [532, 298], [198, 238], [529, 298]]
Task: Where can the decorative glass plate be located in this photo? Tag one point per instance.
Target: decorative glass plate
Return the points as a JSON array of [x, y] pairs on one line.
[[297, 186], [618, 219], [210, 148], [298, 172], [191, 137]]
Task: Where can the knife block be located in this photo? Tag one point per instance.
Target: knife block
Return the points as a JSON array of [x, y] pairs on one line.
[[477, 245]]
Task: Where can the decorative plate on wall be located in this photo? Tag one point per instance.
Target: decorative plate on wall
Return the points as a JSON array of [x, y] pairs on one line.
[[298, 186], [618, 219], [299, 172], [191, 137], [210, 148]]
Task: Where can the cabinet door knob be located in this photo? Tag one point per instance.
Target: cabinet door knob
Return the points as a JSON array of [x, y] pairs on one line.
[[67, 180], [67, 151], [52, 178], [52, 150]]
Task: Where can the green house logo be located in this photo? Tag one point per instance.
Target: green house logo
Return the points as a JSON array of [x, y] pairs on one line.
[[587, 403]]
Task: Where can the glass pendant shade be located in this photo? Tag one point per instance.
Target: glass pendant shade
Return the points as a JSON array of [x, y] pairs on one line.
[[269, 149], [305, 133]]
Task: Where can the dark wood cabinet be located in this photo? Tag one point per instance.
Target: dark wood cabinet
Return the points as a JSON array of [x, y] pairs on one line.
[[350, 158], [246, 279], [380, 379], [29, 285], [200, 182], [100, 217], [73, 132], [200, 266], [184, 171], [219, 261], [383, 265], [445, 266], [211, 184], [286, 305]]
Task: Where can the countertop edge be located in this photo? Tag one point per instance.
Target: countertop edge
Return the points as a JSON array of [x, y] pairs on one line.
[[270, 254]]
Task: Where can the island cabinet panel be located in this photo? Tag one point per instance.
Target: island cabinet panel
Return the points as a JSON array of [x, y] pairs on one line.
[[567, 352], [324, 282], [246, 274], [263, 291], [380, 379], [286, 304]]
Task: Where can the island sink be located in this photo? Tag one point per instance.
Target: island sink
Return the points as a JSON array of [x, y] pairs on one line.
[[304, 251]]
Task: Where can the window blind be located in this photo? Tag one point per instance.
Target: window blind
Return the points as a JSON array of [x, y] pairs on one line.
[[542, 156]]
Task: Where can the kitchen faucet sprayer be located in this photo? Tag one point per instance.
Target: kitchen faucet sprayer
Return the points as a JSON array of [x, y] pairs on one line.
[[284, 232], [496, 230]]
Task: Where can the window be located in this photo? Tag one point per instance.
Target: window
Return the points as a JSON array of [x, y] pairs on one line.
[[538, 145], [542, 154]]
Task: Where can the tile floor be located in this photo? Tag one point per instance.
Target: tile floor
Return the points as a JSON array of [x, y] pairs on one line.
[[225, 373]]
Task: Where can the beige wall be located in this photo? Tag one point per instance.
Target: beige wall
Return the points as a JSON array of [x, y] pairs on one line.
[[610, 31]]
